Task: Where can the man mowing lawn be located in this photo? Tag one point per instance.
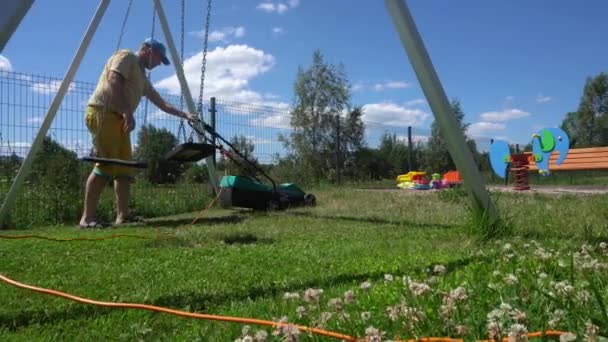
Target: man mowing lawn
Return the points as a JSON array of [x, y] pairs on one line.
[[110, 120]]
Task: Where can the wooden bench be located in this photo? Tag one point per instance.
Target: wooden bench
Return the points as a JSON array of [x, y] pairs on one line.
[[591, 158]]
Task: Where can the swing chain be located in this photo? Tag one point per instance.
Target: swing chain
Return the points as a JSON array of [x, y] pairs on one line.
[[149, 74], [181, 128], [124, 24], [203, 67]]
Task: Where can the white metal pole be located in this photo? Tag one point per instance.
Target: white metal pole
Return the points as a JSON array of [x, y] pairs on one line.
[[50, 115], [179, 71], [433, 90], [13, 12]]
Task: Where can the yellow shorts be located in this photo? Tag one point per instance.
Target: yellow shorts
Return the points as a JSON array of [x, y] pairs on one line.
[[109, 141]]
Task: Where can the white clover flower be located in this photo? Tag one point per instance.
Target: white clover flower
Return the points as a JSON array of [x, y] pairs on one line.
[[462, 330], [518, 333], [312, 295], [567, 337], [493, 329], [419, 289], [373, 335], [591, 331], [366, 285], [511, 279], [439, 269], [459, 294], [291, 295], [300, 311], [245, 330], [388, 278], [519, 316], [557, 316], [335, 303], [392, 312], [366, 315], [260, 336], [349, 297]]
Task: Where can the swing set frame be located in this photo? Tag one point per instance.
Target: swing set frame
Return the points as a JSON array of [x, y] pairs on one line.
[[21, 8]]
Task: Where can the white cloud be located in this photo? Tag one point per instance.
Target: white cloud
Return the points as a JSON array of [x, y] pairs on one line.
[[5, 64], [381, 86], [278, 30], [543, 99], [481, 128], [266, 7], [504, 115], [278, 7], [50, 88], [281, 8], [391, 114], [273, 121], [228, 72], [415, 102], [36, 119], [223, 35]]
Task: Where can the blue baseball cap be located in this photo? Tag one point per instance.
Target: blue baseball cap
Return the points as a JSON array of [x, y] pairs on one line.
[[160, 47]]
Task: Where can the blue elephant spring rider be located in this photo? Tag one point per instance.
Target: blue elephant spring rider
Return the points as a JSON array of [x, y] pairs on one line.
[[544, 143]]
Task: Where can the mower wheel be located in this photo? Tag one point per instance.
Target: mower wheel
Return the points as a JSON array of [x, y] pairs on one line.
[[310, 200]]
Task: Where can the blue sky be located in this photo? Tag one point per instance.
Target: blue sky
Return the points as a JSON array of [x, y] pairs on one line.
[[516, 66]]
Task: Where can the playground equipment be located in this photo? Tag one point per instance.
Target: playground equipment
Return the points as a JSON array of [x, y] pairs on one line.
[[417, 180], [544, 143]]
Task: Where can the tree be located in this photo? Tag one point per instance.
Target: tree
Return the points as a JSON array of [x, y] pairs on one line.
[[437, 156], [588, 126], [237, 165], [152, 145], [395, 152], [322, 93]]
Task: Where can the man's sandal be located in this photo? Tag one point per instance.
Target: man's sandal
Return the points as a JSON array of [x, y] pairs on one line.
[[94, 225]]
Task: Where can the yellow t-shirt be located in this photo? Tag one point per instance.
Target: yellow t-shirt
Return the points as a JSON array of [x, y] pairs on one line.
[[137, 84]]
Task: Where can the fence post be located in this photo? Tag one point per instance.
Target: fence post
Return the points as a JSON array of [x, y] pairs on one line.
[[213, 111], [410, 148], [338, 167]]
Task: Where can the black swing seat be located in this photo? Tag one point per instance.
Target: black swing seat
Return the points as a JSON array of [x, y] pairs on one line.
[[190, 152], [128, 163]]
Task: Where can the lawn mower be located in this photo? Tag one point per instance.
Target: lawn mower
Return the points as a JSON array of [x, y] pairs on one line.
[[244, 191]]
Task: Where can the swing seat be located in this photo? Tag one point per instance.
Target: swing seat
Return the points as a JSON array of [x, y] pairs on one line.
[[127, 163], [190, 152]]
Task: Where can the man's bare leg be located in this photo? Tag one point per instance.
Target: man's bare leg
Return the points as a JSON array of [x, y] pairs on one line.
[[121, 189], [93, 190]]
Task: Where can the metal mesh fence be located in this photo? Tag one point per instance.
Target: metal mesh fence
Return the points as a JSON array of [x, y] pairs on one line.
[[25, 99]]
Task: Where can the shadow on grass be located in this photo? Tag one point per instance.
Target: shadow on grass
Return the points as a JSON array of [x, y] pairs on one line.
[[203, 302], [208, 221], [374, 220]]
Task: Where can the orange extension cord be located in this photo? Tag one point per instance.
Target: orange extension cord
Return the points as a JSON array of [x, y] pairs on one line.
[[186, 314]]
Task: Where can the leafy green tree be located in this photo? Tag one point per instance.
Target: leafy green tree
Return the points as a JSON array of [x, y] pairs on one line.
[[588, 126], [152, 146], [437, 156], [322, 93]]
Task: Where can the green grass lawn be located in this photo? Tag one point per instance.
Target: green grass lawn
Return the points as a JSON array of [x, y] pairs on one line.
[[405, 263]]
